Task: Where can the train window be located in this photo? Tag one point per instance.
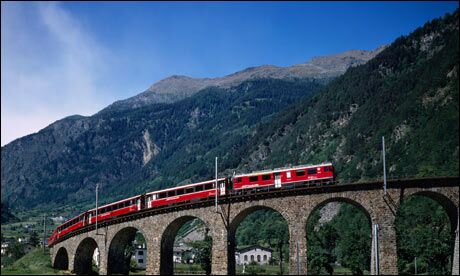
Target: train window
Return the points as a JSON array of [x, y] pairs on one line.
[[171, 193], [189, 190], [198, 188], [327, 169], [300, 173], [162, 195], [266, 177], [253, 178], [238, 180], [180, 192], [312, 171], [208, 186]]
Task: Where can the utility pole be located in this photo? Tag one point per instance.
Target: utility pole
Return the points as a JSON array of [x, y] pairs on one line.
[[280, 245], [44, 231], [415, 264], [217, 188], [376, 249], [384, 168], [297, 257], [97, 187]]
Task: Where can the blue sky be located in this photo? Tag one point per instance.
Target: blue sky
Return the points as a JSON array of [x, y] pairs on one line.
[[60, 59]]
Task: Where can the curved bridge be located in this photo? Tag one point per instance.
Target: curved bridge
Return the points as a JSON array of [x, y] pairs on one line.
[[160, 227]]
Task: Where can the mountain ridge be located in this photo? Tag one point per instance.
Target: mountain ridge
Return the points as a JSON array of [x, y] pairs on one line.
[[177, 87], [407, 93]]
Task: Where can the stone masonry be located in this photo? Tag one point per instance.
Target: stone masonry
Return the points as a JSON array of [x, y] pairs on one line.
[[160, 230]]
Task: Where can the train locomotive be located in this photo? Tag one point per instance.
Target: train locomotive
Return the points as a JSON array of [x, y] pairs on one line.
[[269, 180]]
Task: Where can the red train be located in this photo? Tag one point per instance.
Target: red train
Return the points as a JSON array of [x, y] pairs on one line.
[[275, 179]]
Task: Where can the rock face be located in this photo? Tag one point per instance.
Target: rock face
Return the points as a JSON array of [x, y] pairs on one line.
[[175, 88], [327, 213]]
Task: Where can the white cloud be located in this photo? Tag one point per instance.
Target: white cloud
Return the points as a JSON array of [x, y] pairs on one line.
[[51, 68]]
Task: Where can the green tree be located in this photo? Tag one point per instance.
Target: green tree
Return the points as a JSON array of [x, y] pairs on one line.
[[16, 250], [423, 231], [34, 239], [202, 251], [324, 240]]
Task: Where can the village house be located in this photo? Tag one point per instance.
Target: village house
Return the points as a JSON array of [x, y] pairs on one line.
[[255, 253]]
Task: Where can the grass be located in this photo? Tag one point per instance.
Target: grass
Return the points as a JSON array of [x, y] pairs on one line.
[[262, 269], [188, 269], [35, 262]]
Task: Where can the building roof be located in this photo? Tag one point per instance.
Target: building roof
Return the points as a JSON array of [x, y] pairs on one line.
[[249, 248]]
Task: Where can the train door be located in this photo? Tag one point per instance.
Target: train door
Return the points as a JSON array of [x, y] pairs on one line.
[[222, 188], [138, 204], [277, 180]]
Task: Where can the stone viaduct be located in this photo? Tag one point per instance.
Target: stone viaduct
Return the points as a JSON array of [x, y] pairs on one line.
[[160, 229]]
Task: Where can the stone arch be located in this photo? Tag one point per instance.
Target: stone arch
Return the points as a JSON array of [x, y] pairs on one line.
[[361, 206], [167, 242], [233, 226], [84, 256], [118, 262], [61, 261], [447, 204]]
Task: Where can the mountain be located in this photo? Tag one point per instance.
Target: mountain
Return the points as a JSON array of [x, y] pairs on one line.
[[131, 151], [175, 88], [408, 93], [140, 143]]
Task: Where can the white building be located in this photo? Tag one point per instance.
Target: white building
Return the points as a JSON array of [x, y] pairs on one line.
[[23, 240], [255, 253], [5, 248], [59, 219], [96, 256], [140, 255], [180, 251]]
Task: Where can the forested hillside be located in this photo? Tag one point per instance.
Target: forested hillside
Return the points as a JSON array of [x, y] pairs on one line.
[[408, 93], [143, 149]]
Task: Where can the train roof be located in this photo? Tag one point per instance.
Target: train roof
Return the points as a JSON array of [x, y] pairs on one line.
[[184, 186], [283, 169]]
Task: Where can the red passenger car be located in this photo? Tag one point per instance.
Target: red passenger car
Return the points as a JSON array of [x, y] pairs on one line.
[[116, 209], [281, 177], [67, 227], [187, 193]]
